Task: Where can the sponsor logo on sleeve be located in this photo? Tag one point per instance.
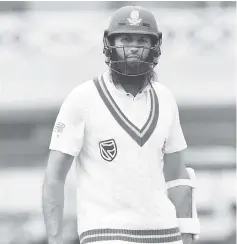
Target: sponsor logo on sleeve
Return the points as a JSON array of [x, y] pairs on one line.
[[59, 127]]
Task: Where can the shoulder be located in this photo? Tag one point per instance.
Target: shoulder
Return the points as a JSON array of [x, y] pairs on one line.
[[79, 99], [164, 93], [82, 91]]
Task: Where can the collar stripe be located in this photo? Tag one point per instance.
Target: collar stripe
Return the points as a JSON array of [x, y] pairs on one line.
[[151, 110], [115, 115], [145, 128], [154, 121], [113, 103], [140, 136]]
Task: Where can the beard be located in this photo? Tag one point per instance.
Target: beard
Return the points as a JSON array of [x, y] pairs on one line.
[[130, 71], [143, 80], [131, 67]]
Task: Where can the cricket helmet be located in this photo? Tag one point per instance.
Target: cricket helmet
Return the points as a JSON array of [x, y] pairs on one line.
[[129, 20]]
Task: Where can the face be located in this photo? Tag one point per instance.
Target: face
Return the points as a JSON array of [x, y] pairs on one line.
[[131, 52], [136, 46]]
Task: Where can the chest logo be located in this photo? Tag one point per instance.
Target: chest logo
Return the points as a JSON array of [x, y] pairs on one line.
[[108, 149]]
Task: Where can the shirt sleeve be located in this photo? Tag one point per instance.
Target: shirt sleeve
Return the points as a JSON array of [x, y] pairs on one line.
[[175, 141], [68, 131]]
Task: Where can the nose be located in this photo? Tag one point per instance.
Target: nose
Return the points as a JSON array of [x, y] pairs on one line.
[[133, 50], [133, 47]]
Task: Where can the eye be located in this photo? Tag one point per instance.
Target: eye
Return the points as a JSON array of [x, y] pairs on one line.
[[143, 40], [124, 39]]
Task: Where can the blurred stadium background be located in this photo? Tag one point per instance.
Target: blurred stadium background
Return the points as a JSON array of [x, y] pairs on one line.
[[48, 48]]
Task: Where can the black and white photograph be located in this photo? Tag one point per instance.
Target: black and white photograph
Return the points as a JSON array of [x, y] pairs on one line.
[[118, 122]]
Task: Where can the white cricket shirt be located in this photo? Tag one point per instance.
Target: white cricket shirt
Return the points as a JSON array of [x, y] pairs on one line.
[[119, 143]]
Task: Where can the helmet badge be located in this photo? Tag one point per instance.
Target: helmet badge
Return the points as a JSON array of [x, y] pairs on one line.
[[134, 18]]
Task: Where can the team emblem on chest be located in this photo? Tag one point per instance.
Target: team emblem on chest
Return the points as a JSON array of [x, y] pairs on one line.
[[108, 149]]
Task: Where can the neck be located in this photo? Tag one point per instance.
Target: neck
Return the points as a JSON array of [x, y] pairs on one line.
[[131, 84]]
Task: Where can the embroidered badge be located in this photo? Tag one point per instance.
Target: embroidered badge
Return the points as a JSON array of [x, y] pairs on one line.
[[108, 149], [134, 18], [58, 128]]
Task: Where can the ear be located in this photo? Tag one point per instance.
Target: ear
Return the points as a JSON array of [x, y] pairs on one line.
[[106, 50], [160, 38], [155, 60], [106, 33]]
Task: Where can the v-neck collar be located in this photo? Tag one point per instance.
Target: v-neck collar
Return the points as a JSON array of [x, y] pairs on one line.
[[139, 135]]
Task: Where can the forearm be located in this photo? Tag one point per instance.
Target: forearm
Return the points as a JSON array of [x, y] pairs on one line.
[[53, 204], [181, 197]]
